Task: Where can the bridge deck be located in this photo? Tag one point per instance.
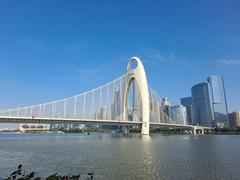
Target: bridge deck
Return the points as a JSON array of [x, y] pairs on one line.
[[15, 119]]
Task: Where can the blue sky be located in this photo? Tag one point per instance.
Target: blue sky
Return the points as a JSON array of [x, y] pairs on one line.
[[54, 49]]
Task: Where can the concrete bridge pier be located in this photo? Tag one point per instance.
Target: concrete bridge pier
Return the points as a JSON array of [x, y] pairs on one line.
[[125, 130], [197, 130]]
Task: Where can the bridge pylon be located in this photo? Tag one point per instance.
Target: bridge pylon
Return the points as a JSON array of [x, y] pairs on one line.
[[138, 74]]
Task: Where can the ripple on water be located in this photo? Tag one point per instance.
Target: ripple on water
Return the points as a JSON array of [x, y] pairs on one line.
[[121, 157]]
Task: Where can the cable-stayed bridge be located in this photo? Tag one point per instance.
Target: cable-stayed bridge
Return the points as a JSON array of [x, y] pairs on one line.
[[107, 104]]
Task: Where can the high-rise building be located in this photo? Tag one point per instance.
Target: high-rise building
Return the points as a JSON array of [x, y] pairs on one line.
[[209, 104], [201, 103], [180, 114], [234, 119], [187, 102], [218, 100], [116, 106], [165, 102], [103, 113], [166, 106]]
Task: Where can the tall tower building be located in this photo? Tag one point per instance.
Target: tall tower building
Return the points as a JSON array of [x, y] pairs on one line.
[[202, 108], [234, 119], [166, 106], [187, 102], [209, 104], [165, 102], [180, 113], [218, 100], [116, 105]]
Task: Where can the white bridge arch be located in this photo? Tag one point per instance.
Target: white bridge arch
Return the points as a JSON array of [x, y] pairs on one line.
[[106, 104], [139, 76]]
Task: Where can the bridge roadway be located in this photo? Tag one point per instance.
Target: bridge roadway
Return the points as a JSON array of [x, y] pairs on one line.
[[42, 120]]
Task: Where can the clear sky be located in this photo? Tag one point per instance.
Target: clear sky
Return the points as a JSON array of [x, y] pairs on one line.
[[54, 49]]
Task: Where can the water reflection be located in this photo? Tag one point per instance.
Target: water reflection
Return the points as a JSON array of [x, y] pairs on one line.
[[124, 157]]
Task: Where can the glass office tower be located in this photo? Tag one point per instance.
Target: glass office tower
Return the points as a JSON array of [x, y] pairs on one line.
[[187, 102], [234, 119], [209, 103], [201, 103], [219, 102], [181, 113]]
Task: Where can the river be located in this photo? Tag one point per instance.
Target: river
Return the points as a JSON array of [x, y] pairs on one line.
[[123, 157]]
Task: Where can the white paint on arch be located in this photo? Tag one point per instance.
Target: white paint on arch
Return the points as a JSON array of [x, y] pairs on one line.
[[139, 75]]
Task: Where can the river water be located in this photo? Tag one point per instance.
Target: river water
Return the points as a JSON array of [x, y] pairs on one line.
[[123, 157]]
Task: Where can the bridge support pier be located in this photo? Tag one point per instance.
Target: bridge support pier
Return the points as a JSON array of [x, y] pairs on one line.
[[198, 130], [125, 130], [145, 128], [194, 131]]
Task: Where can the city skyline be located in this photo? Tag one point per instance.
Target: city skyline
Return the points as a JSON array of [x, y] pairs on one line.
[[46, 56]]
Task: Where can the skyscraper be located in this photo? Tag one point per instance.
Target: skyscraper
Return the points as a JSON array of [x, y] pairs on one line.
[[115, 106], [166, 106], [218, 100], [180, 113], [187, 102], [165, 102], [234, 119], [202, 108], [209, 104]]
